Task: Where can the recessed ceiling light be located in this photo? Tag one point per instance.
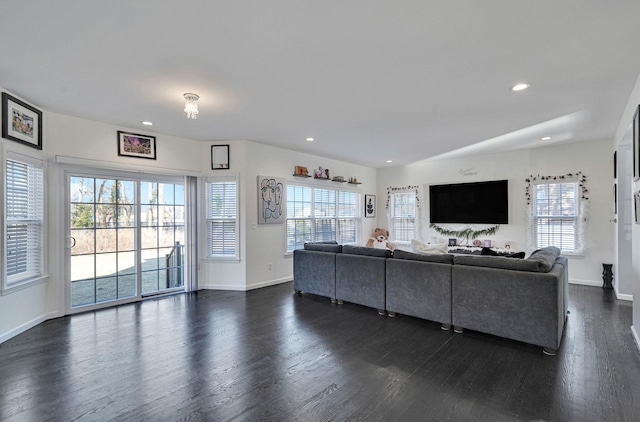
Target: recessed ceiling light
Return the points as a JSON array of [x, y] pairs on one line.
[[389, 161], [146, 123], [310, 139], [545, 138], [520, 87]]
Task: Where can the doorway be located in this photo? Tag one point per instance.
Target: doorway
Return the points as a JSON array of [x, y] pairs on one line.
[[126, 238]]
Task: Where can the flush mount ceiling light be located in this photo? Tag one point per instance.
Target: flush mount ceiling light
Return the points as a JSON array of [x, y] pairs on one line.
[[310, 139], [545, 138], [147, 123], [389, 161], [191, 105], [520, 87]]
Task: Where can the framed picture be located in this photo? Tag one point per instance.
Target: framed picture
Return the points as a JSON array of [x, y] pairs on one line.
[[370, 206], [21, 122], [636, 200], [615, 198], [271, 200], [136, 145], [219, 157], [636, 145], [615, 164]]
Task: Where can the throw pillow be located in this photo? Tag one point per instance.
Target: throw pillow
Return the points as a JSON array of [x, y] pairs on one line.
[[428, 249]]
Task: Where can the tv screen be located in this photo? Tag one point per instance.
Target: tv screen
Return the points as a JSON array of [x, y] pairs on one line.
[[470, 203]]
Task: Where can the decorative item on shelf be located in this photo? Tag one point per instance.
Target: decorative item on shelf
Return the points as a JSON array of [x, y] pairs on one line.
[[507, 244], [319, 173], [477, 242], [487, 243], [467, 233], [326, 174], [453, 242], [301, 171], [338, 179], [354, 181]]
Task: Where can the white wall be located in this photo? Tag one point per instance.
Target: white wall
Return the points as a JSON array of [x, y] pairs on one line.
[[592, 158], [264, 244], [625, 121], [93, 144]]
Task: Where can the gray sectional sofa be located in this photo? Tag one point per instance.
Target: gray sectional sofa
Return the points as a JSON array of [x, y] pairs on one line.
[[519, 299]]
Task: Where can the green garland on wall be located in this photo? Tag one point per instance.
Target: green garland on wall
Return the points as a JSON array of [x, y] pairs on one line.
[[466, 233]]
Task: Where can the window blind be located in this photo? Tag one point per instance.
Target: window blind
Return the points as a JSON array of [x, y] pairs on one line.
[[24, 221], [222, 211]]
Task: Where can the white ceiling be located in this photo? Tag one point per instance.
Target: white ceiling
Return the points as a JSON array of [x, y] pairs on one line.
[[371, 80]]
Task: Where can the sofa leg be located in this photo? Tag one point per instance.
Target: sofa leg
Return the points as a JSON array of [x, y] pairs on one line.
[[340, 302], [549, 351], [297, 291], [333, 300], [458, 330], [391, 314], [446, 327], [381, 312]]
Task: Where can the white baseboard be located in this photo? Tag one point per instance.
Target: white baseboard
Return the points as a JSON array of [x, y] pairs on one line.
[[269, 283], [585, 282], [26, 326], [635, 337], [622, 296], [236, 288]]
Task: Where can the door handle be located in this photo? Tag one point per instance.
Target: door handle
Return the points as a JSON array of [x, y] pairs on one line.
[[72, 242]]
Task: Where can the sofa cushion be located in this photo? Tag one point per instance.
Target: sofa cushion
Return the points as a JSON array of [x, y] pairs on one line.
[[363, 250], [532, 265], [323, 246], [545, 257], [440, 258], [428, 248]]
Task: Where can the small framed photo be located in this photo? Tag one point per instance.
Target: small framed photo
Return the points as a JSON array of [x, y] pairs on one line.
[[21, 122], [370, 206], [636, 144], [487, 244], [453, 242], [136, 145], [219, 157]]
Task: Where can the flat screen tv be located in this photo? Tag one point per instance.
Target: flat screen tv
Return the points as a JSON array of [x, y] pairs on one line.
[[470, 203]]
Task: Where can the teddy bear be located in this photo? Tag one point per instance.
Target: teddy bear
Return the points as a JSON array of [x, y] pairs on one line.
[[379, 239]]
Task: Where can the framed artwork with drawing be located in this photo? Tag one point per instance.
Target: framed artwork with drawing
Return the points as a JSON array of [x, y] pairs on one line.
[[369, 206], [271, 200], [136, 145]]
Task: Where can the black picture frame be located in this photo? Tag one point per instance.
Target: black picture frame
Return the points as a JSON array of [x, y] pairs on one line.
[[615, 198], [615, 164], [220, 157], [136, 145], [636, 144], [370, 206], [21, 122], [636, 200]]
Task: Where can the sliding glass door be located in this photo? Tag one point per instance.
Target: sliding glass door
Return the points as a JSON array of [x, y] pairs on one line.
[[126, 239]]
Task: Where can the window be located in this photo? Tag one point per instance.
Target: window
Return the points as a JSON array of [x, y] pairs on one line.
[[556, 215], [24, 219], [321, 215], [222, 218], [403, 216]]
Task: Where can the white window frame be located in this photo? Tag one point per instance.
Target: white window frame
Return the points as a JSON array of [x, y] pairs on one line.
[[37, 201], [394, 219], [574, 220], [337, 217], [209, 220]]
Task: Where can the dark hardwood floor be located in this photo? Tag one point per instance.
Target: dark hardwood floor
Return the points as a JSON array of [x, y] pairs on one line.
[[269, 355]]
